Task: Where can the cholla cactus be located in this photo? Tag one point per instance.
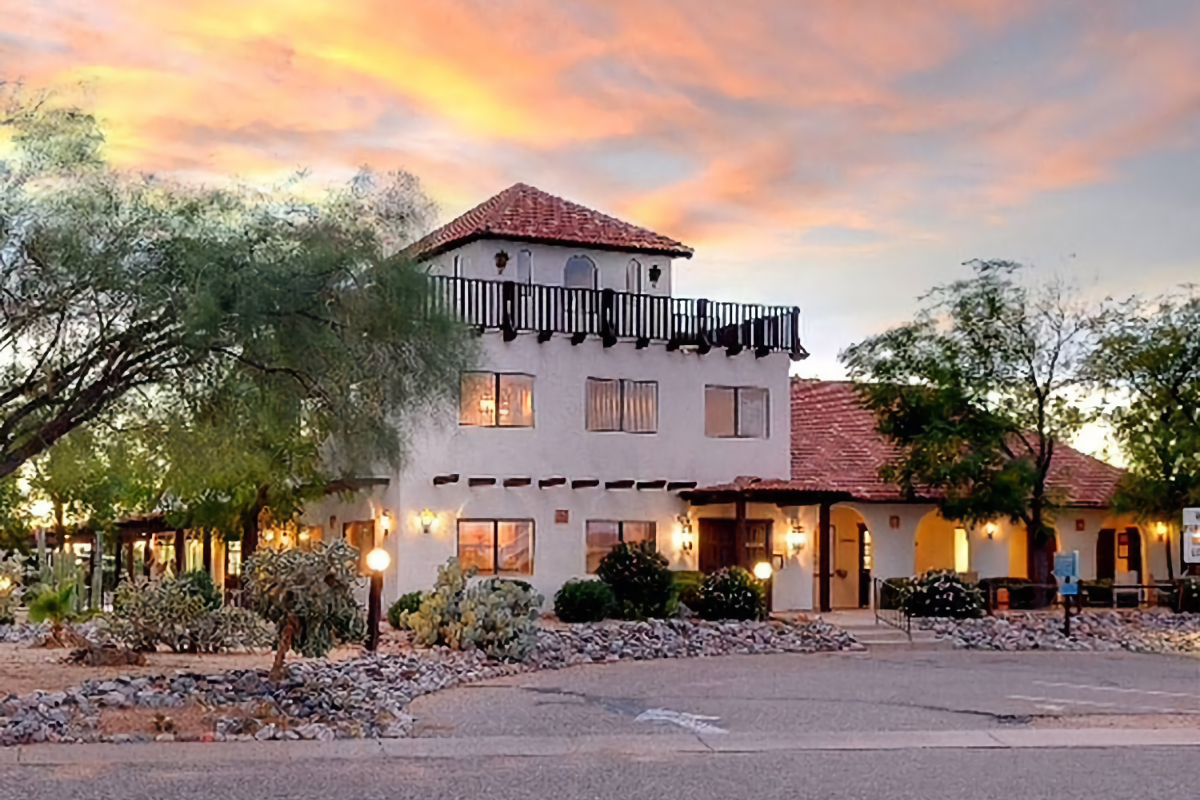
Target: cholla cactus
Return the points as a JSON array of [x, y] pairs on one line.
[[942, 593], [12, 571], [496, 615]]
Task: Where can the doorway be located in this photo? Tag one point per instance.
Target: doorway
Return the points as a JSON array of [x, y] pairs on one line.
[[720, 548]]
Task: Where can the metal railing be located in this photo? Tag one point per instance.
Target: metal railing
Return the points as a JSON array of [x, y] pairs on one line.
[[888, 609], [1037, 596], [546, 310]]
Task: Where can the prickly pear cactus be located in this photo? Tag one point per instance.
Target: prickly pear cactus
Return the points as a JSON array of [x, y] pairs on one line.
[[437, 619]]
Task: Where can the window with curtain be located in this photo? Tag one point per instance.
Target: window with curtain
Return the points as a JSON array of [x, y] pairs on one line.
[[603, 535], [621, 405], [524, 266], [496, 399], [736, 412], [633, 277], [496, 546], [579, 273]]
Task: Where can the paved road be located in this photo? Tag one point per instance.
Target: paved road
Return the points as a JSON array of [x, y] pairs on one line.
[[878, 690], [943, 724]]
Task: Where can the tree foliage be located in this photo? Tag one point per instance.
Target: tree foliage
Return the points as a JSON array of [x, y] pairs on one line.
[[226, 308], [977, 392], [308, 596], [1148, 363]]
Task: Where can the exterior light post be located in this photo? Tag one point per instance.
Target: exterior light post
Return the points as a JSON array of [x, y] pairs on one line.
[[377, 562]]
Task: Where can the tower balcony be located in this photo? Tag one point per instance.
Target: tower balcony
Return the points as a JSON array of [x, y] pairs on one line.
[[676, 322]]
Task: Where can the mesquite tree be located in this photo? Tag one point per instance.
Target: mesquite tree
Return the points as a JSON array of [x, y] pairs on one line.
[[116, 285], [309, 597], [1148, 361], [977, 392]]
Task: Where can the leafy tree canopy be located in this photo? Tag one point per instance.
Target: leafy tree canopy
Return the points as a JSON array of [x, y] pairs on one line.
[[978, 391], [257, 328]]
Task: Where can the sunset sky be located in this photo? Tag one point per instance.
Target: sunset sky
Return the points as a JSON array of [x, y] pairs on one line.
[[840, 155]]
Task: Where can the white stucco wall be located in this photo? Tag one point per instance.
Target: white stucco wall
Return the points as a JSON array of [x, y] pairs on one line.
[[478, 260], [559, 445]]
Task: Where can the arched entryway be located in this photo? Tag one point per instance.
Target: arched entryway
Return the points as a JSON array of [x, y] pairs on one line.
[[940, 544], [1119, 553], [850, 586]]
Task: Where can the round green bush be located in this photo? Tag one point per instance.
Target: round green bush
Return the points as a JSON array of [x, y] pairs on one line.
[[408, 602], [942, 593], [640, 580], [200, 584], [731, 593], [584, 601]]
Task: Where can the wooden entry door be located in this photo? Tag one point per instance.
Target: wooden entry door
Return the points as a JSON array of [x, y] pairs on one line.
[[720, 548]]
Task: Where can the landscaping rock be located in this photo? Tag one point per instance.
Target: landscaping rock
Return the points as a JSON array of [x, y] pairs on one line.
[[1150, 631]]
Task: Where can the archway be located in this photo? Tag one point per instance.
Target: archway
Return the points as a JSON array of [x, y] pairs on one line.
[[851, 562], [579, 273], [940, 544]]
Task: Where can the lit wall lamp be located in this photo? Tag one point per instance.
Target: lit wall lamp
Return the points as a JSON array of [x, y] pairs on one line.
[[1161, 529], [687, 540], [655, 274], [763, 570], [796, 538], [427, 521], [991, 529], [386, 522]]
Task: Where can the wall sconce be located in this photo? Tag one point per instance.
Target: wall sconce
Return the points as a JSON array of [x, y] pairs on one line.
[[427, 520], [1080, 524], [501, 262], [386, 522], [991, 529], [1161, 529], [655, 274], [687, 540], [796, 538]]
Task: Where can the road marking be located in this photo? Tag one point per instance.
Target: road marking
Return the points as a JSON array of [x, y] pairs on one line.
[[693, 722], [1061, 700], [1116, 689], [1127, 708]]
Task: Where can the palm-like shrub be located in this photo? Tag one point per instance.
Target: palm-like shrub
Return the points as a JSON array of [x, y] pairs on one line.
[[308, 596], [54, 606], [640, 580], [731, 593], [584, 601], [942, 593]]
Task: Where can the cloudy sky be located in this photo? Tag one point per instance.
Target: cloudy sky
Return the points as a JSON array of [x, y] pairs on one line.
[[841, 155]]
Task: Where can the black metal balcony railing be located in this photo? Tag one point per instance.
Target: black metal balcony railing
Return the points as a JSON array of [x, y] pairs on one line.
[[546, 310]]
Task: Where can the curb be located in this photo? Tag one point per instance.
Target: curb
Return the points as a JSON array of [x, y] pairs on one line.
[[176, 753]]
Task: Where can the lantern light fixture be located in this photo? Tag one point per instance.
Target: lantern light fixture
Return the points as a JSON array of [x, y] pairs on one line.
[[763, 570], [378, 560], [385, 522], [796, 538], [687, 541], [1161, 529], [991, 529], [427, 520]]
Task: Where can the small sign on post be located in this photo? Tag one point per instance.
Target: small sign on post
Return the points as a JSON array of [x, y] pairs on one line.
[[1191, 536], [1066, 569]]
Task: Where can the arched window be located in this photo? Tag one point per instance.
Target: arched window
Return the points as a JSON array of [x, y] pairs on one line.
[[633, 277], [580, 273], [524, 266], [458, 266]]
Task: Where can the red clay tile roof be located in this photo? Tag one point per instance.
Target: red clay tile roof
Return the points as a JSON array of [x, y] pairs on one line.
[[524, 213], [835, 448]]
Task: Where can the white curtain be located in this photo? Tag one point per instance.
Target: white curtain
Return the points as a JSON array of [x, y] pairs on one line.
[[603, 404], [641, 406]]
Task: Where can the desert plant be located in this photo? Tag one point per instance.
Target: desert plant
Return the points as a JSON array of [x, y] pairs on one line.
[[230, 628], [732, 593], [942, 593], [171, 612], [12, 572], [201, 584], [54, 606], [407, 603], [584, 601], [496, 616], [686, 588], [1187, 595], [891, 593], [640, 580], [308, 596]]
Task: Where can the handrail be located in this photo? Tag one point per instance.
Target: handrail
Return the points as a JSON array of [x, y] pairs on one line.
[[896, 617], [514, 308]]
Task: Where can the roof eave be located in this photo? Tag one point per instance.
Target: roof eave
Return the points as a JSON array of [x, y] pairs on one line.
[[437, 250]]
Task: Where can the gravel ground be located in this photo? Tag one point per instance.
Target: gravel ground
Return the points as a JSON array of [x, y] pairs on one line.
[[1136, 631], [366, 696]]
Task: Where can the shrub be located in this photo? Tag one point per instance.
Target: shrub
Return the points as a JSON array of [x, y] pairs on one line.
[[891, 593], [200, 583], [942, 593], [1187, 595], [584, 601], [496, 615], [686, 588], [308, 596], [407, 603], [54, 606], [12, 571], [732, 593], [640, 580], [172, 613]]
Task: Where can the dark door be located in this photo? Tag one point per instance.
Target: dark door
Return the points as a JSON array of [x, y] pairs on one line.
[[864, 566], [718, 544], [1133, 542], [1106, 555]]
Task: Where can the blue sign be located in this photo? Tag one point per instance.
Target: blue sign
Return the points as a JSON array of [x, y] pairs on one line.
[[1068, 589], [1066, 565]]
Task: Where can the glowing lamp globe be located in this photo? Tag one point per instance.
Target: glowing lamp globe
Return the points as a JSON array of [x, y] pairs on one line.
[[378, 560], [762, 570]]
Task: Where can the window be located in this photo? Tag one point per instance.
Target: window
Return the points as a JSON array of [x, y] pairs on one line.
[[603, 535], [524, 266], [579, 273], [496, 399], [620, 405], [633, 277], [736, 412], [496, 546]]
